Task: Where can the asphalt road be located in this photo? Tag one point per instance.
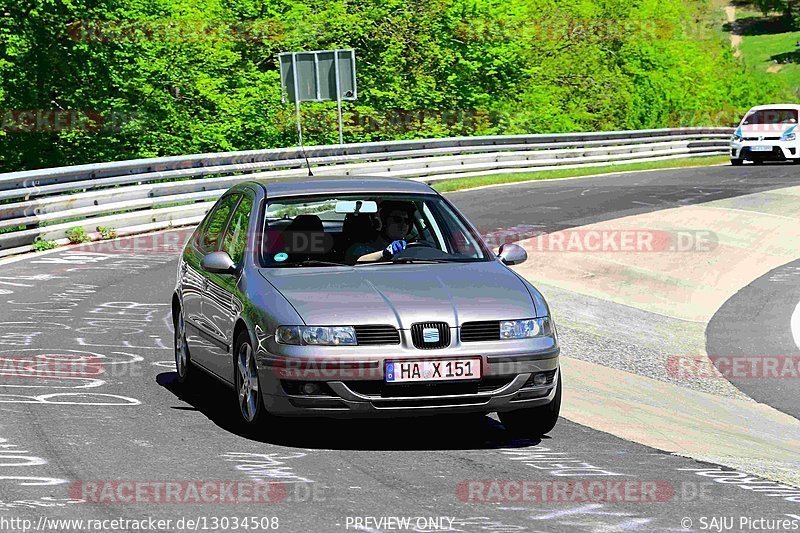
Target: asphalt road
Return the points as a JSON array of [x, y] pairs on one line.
[[553, 206], [64, 435], [751, 338]]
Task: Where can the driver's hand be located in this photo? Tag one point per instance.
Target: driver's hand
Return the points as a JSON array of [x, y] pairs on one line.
[[393, 248]]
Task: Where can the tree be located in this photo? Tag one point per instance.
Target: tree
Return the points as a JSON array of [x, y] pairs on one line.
[[789, 8]]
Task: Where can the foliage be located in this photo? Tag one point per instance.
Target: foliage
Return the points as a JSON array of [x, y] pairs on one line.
[[107, 232], [77, 235], [789, 8], [141, 78], [41, 245]]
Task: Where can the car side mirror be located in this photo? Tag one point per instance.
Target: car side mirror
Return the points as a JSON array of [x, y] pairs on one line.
[[218, 263], [512, 254]]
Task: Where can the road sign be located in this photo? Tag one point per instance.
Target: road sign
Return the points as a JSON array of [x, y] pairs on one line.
[[318, 76], [314, 75]]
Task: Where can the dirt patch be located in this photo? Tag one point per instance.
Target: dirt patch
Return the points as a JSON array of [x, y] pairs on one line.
[[736, 39]]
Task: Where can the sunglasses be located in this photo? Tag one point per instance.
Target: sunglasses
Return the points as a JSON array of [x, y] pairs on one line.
[[396, 219]]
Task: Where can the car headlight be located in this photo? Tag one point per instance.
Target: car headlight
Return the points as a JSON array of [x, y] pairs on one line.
[[789, 137], [526, 329], [316, 335], [736, 138]]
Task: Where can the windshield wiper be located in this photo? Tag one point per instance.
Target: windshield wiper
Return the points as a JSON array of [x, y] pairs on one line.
[[313, 262], [408, 260]]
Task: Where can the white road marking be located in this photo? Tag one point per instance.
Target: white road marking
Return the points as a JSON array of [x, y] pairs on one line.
[[796, 325]]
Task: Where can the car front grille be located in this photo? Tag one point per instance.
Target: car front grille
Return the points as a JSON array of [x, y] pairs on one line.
[[370, 335], [430, 335], [380, 389], [776, 153], [480, 331]]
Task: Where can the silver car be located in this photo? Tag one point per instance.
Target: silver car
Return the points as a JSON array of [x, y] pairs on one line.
[[363, 297]]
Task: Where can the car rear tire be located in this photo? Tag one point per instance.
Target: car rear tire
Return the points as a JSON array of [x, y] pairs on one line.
[[534, 421], [737, 162], [250, 404], [183, 360]]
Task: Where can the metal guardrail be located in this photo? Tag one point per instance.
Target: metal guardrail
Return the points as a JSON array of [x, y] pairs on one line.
[[148, 194]]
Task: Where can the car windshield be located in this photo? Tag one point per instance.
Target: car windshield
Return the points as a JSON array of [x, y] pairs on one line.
[[771, 116], [350, 229]]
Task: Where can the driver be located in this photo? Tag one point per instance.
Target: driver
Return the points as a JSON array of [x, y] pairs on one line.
[[395, 225]]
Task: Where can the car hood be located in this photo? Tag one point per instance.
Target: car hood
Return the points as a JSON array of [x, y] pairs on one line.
[[401, 295], [766, 130]]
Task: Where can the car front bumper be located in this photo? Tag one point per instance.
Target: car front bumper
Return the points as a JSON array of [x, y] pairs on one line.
[[778, 150], [355, 388]]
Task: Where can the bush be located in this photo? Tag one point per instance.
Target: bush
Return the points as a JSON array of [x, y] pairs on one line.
[[41, 245], [107, 232], [77, 235]]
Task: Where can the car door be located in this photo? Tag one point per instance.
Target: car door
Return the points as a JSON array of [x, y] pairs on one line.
[[191, 290], [195, 282], [222, 299]]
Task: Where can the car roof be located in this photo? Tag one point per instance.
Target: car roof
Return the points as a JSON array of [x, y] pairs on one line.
[[775, 106], [343, 184]]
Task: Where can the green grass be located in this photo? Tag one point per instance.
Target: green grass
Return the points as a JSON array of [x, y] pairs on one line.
[[495, 179], [758, 50]]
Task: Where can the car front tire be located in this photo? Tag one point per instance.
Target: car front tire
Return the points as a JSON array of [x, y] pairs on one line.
[[183, 360], [534, 421], [250, 404], [737, 162]]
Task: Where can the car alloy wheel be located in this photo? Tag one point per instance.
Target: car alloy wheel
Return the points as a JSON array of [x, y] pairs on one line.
[[182, 359], [247, 384]]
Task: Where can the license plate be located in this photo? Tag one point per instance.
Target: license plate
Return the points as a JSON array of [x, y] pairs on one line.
[[437, 370], [761, 148]]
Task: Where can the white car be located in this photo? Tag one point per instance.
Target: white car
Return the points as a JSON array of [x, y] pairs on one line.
[[767, 133]]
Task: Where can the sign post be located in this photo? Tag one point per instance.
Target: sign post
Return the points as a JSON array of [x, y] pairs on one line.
[[319, 76], [338, 97], [297, 100]]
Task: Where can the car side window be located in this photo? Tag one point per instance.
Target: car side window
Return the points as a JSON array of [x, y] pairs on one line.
[[235, 240], [209, 237]]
